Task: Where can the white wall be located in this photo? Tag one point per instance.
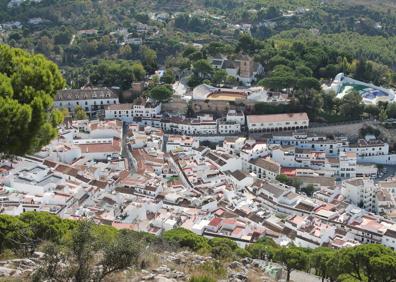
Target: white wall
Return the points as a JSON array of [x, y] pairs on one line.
[[383, 159], [389, 242], [87, 105]]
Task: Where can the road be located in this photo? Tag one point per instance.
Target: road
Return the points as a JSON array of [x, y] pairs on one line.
[[72, 39], [124, 150]]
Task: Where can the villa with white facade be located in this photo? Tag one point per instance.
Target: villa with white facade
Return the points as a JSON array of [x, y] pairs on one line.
[[92, 100]]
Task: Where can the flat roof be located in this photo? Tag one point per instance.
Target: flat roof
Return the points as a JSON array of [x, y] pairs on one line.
[[277, 118]]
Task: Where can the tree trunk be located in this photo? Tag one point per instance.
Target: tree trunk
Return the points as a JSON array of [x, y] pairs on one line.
[[288, 275]]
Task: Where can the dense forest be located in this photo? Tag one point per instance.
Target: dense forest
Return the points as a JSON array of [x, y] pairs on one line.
[[301, 44], [78, 35]]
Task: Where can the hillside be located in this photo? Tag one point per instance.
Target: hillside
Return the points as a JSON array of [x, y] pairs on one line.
[[76, 34], [38, 246]]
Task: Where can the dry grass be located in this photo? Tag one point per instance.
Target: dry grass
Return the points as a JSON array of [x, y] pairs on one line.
[[256, 276]]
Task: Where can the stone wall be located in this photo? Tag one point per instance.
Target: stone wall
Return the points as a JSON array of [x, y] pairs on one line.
[[175, 105], [346, 129], [221, 107]]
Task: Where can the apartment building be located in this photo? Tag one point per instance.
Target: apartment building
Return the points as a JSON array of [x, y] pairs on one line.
[[360, 192]]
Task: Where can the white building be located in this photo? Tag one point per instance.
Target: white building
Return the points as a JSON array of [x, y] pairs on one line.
[[236, 117], [104, 129], [127, 112], [389, 239], [178, 143], [264, 168], [278, 122], [244, 68], [99, 149], [35, 180], [368, 148], [285, 156], [347, 165], [371, 94], [252, 150], [224, 162], [203, 125], [241, 179], [233, 145], [92, 100], [331, 147], [228, 127], [360, 192], [232, 123]]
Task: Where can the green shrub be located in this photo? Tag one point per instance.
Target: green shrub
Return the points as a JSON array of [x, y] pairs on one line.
[[223, 248], [242, 253], [222, 252], [260, 250], [186, 238], [223, 241]]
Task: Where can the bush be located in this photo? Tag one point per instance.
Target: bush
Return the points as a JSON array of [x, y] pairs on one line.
[[223, 248], [186, 238], [242, 253], [223, 241], [261, 251], [222, 252]]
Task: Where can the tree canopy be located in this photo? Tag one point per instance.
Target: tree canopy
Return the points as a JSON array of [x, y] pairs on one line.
[[28, 84], [161, 93]]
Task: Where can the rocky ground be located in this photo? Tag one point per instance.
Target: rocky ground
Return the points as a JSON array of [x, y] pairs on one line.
[[19, 268], [164, 267], [173, 267]]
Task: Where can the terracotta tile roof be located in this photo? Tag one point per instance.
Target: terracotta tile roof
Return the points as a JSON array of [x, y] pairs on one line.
[[98, 183], [215, 221], [67, 170], [271, 189], [321, 180], [355, 182], [266, 164], [304, 207], [85, 94], [115, 146], [390, 233], [239, 175], [50, 163], [83, 178], [119, 107]]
